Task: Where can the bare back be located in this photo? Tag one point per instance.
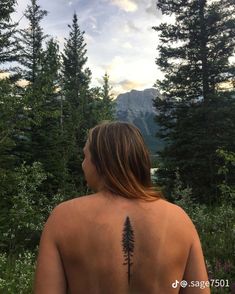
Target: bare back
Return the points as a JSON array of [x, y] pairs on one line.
[[117, 246]]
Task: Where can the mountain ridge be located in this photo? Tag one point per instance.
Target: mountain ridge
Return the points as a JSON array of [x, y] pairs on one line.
[[136, 106]]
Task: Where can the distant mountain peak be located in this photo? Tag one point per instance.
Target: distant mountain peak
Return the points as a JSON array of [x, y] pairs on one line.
[[137, 107], [137, 101]]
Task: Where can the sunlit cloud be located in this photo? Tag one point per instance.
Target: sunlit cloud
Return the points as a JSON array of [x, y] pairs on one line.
[[22, 83], [126, 5], [115, 67], [125, 74], [4, 75], [128, 85], [127, 45], [121, 43]]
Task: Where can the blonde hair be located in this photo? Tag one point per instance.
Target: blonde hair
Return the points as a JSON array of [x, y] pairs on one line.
[[120, 156]]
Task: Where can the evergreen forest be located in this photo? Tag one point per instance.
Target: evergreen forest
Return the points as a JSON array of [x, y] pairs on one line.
[[196, 168], [48, 105]]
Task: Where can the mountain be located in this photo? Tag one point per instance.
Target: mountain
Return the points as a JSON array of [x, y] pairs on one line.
[[137, 107]]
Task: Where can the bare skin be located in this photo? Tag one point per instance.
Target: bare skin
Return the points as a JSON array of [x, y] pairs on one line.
[[81, 248]]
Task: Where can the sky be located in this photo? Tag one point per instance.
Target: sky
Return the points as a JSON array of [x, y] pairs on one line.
[[118, 33]]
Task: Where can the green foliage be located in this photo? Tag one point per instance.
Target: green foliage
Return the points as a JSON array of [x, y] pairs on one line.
[[31, 55], [43, 128], [46, 133], [182, 195], [103, 106], [26, 209], [227, 187], [77, 103], [47, 120], [31, 40], [9, 108], [195, 116], [75, 76], [16, 273], [8, 43], [107, 105], [216, 226]]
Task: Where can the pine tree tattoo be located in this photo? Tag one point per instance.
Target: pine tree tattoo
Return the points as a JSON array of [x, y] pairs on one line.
[[128, 245]]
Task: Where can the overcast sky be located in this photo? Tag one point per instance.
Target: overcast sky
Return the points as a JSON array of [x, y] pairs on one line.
[[118, 33]]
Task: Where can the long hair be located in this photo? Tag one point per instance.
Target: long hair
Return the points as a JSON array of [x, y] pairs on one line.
[[121, 158]]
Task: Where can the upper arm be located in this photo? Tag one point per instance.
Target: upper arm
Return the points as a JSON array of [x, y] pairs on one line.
[[195, 268], [50, 276]]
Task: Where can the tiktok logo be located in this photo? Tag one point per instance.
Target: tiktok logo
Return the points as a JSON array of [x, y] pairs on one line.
[[175, 284]]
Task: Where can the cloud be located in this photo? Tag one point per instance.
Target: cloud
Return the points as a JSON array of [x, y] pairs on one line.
[[22, 83], [152, 8], [93, 22], [4, 75], [127, 45], [127, 73], [129, 28], [125, 86], [126, 5], [132, 26], [117, 42], [115, 67], [89, 39], [128, 85]]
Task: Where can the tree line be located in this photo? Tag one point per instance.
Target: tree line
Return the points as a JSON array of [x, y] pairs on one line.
[[44, 122], [197, 114]]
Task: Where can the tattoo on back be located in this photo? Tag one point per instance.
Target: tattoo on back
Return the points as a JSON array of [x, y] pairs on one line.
[[128, 246]]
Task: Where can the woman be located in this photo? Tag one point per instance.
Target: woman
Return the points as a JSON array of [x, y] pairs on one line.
[[125, 238]]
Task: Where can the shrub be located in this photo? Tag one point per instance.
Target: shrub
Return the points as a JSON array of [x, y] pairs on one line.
[[26, 211], [16, 273], [216, 229]]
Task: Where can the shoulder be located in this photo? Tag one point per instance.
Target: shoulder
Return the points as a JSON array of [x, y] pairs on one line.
[[178, 212], [65, 213], [66, 207], [180, 221]]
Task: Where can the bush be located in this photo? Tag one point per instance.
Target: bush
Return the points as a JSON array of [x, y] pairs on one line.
[[27, 208], [25, 212], [216, 228], [16, 273]]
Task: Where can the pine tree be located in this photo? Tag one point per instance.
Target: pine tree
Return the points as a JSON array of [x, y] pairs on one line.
[[196, 118], [107, 97], [7, 101], [76, 77], [31, 52], [76, 105], [106, 88], [31, 40], [102, 102], [9, 108], [8, 43], [10, 104], [47, 144]]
